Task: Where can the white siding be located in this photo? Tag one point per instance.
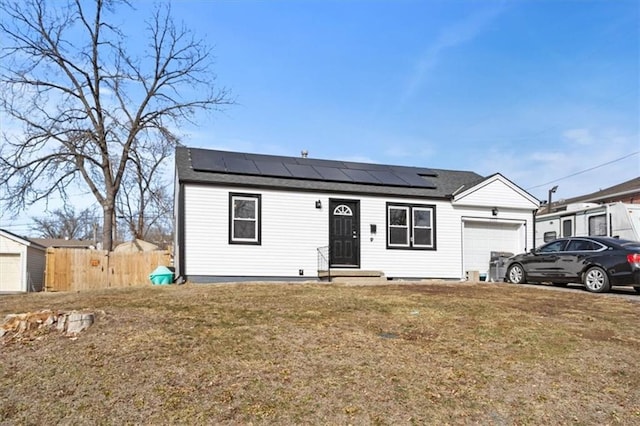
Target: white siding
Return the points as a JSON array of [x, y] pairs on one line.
[[496, 193], [441, 263], [8, 245], [293, 228]]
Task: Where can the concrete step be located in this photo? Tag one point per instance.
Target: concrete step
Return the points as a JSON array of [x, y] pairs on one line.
[[358, 276]]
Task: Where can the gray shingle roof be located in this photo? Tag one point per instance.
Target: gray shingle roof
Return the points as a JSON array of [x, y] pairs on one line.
[[63, 243], [445, 181], [610, 194]]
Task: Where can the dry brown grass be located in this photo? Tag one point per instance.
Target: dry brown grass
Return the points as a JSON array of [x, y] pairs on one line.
[[325, 354]]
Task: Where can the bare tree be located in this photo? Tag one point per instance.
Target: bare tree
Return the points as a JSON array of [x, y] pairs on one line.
[[87, 106], [66, 223], [144, 203]]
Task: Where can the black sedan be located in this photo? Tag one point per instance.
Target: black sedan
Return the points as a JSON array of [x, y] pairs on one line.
[[596, 262]]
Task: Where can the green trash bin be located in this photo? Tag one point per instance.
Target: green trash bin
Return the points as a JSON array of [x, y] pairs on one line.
[[161, 276]]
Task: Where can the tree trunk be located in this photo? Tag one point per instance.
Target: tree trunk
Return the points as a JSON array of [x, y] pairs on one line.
[[107, 228]]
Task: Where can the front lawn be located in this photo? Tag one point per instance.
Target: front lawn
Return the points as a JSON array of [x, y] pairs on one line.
[[447, 353]]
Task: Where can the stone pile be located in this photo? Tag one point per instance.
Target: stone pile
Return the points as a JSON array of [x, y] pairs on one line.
[[33, 324]]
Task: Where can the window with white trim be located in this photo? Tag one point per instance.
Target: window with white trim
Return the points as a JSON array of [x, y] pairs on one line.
[[410, 226], [244, 218]]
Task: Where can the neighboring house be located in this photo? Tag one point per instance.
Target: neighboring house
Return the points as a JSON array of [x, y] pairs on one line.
[[246, 216], [627, 192], [22, 263], [613, 211], [64, 243]]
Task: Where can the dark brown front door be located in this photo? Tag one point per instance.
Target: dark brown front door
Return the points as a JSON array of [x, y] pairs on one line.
[[344, 233]]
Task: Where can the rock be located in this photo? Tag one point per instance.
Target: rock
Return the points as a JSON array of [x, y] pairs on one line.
[[78, 322], [29, 325], [61, 323]]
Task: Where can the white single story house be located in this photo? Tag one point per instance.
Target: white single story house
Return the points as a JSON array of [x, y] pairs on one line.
[[22, 263], [241, 216]]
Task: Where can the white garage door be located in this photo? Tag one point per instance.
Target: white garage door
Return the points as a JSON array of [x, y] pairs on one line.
[[10, 276], [481, 238]]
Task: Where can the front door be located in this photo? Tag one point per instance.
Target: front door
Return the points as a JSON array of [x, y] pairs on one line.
[[344, 233]]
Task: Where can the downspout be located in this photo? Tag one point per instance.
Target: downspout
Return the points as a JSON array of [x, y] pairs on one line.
[[535, 212], [180, 229]]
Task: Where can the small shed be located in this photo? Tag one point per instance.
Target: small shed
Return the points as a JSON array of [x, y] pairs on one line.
[[22, 263]]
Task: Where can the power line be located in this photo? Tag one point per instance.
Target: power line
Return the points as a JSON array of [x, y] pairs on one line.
[[585, 170]]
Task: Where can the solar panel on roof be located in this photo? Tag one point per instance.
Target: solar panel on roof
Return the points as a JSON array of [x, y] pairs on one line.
[[272, 168], [302, 172], [231, 154], [387, 178], [241, 166], [363, 166], [266, 158], [206, 161], [399, 170], [332, 173], [360, 176], [413, 179], [321, 163], [313, 169]]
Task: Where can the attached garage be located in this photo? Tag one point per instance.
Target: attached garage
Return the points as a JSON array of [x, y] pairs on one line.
[[508, 229], [22, 263], [481, 237]]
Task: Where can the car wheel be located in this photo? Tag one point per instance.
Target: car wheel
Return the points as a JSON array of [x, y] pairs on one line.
[[516, 274], [637, 289], [596, 280]]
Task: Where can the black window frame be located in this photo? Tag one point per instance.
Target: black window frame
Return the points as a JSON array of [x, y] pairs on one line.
[[409, 207], [258, 199]]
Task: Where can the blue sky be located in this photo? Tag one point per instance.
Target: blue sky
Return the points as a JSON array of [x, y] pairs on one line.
[[536, 90]]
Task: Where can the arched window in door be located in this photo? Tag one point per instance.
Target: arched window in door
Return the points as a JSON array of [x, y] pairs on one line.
[[342, 210]]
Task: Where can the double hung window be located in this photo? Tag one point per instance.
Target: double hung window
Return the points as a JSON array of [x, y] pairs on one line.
[[244, 218], [410, 226]]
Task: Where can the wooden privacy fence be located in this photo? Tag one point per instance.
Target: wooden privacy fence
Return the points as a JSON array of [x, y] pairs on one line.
[[80, 269]]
